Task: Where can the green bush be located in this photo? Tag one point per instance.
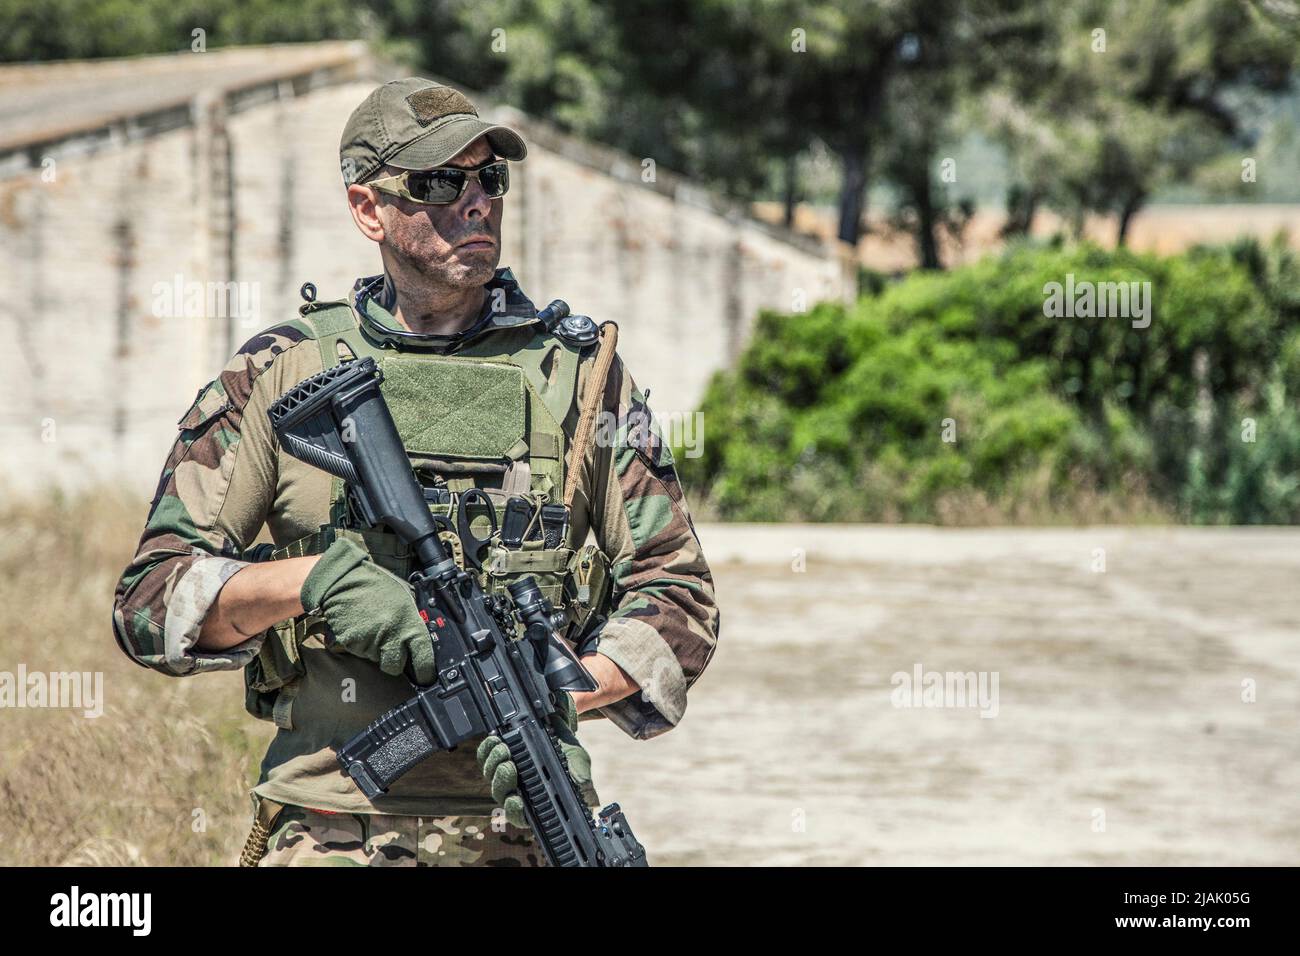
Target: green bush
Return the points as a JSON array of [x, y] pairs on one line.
[[956, 397]]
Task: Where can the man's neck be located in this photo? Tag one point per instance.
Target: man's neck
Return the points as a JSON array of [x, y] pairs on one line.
[[429, 309]]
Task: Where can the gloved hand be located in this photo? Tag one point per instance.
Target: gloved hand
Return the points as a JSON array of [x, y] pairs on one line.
[[370, 611], [499, 770]]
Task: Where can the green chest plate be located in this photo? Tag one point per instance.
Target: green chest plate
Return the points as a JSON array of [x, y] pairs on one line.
[[491, 416], [499, 403]]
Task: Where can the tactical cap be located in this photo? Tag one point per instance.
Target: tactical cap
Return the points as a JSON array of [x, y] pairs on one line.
[[415, 124]]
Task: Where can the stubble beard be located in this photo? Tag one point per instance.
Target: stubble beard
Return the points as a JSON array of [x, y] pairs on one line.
[[451, 271], [431, 276]]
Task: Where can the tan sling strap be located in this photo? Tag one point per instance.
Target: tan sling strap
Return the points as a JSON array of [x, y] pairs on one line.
[[587, 420]]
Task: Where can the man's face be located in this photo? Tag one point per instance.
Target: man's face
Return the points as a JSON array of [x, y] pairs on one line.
[[432, 240]]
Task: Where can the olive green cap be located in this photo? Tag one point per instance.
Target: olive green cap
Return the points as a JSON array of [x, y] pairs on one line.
[[415, 124]]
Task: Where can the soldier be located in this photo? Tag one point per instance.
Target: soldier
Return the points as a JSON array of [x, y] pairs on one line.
[[485, 394]]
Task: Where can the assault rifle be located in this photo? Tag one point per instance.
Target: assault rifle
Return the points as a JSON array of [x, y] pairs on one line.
[[489, 681]]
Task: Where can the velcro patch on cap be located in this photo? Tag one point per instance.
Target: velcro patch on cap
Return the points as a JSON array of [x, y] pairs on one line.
[[436, 102]]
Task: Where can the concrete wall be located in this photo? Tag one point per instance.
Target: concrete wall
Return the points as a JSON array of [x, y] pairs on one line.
[[245, 187]]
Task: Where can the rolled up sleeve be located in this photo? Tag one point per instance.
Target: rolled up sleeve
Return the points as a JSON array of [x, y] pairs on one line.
[[194, 594], [198, 527], [664, 624]]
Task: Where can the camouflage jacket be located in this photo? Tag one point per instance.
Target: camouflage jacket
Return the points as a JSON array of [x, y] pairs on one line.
[[226, 479]]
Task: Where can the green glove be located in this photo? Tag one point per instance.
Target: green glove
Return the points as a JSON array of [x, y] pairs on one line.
[[499, 770], [370, 611]]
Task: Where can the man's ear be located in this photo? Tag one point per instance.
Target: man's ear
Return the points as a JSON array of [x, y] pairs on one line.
[[363, 203]]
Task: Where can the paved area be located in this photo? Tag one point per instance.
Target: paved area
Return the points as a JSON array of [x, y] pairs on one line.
[[1121, 732]]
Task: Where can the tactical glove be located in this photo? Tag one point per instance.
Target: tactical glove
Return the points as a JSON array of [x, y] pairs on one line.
[[370, 611], [499, 770]]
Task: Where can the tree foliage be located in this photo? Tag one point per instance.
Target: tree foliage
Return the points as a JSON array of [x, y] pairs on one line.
[[948, 387], [1100, 103]]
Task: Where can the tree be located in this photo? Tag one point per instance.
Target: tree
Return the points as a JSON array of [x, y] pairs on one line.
[[958, 52], [40, 30], [1133, 96]]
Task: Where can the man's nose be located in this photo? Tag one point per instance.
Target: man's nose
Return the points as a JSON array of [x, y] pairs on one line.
[[477, 203]]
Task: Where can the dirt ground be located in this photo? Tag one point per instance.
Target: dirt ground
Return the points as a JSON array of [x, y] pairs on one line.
[[1123, 733], [1125, 730]]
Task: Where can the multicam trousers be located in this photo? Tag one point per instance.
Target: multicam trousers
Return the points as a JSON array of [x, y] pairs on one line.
[[302, 836]]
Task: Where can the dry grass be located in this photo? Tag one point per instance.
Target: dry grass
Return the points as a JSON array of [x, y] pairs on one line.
[[1034, 503], [162, 777], [1028, 499]]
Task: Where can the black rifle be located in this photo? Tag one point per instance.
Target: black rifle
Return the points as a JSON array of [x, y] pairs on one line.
[[488, 681]]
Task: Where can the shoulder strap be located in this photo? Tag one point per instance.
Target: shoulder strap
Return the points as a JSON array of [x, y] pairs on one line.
[[337, 332], [583, 437]]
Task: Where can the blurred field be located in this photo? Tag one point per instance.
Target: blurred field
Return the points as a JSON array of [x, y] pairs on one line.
[[1119, 691], [1164, 229], [125, 787]]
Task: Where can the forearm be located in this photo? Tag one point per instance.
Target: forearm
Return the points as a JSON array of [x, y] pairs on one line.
[[615, 684], [254, 599], [663, 628]]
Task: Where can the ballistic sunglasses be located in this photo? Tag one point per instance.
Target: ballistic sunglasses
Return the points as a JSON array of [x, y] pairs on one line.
[[445, 184]]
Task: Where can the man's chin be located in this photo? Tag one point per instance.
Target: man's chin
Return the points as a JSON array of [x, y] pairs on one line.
[[467, 270], [477, 265]]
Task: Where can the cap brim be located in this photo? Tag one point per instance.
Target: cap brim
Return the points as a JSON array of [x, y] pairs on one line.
[[446, 140]]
